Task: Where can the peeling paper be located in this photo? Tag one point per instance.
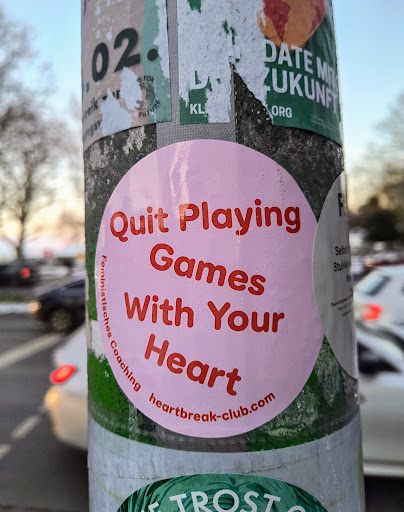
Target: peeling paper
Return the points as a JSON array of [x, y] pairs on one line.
[[135, 138], [130, 90], [94, 341], [125, 66], [294, 74], [115, 118]]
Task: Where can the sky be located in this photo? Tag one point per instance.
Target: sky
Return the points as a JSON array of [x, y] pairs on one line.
[[370, 38], [369, 34]]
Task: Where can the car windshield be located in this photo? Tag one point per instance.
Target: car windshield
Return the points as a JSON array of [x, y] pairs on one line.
[[372, 283]]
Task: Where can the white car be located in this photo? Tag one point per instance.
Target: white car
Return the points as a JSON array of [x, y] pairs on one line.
[[379, 297], [66, 400], [381, 391], [50, 270], [381, 387]]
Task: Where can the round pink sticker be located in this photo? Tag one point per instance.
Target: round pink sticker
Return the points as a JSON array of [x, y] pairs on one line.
[[204, 288]]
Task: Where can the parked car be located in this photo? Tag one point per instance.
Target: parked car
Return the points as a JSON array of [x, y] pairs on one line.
[[18, 273], [358, 267], [52, 269], [381, 387], [384, 258], [61, 304], [379, 297], [66, 400], [381, 391]]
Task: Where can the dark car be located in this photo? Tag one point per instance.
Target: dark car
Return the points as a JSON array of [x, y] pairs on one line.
[[18, 273], [61, 304]]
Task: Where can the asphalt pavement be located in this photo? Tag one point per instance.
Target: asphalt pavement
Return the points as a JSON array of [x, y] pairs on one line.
[[37, 473], [384, 494]]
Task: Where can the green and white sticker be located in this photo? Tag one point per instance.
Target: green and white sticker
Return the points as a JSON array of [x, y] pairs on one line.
[[283, 50], [221, 493]]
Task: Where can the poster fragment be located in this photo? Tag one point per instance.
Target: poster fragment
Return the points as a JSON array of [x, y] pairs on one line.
[[125, 66], [284, 51]]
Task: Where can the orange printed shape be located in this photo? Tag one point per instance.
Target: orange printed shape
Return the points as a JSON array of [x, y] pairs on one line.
[[291, 21]]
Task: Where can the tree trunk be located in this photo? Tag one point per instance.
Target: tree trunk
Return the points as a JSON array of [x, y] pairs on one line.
[[19, 247]]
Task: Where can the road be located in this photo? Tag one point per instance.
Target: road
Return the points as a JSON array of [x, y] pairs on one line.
[[39, 473], [384, 494], [35, 470]]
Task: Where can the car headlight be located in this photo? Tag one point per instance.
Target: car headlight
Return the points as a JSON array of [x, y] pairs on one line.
[[51, 398], [34, 306]]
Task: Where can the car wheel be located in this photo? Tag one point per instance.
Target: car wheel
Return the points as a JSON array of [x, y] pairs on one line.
[[61, 320]]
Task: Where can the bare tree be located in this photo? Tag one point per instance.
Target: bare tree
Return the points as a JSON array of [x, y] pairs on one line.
[[381, 173], [32, 144], [393, 130], [31, 150], [384, 160], [70, 221]]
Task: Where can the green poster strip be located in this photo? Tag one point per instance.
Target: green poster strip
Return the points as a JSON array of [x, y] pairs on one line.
[[284, 51]]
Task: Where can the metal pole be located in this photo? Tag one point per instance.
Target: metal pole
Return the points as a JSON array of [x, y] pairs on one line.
[[221, 358]]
